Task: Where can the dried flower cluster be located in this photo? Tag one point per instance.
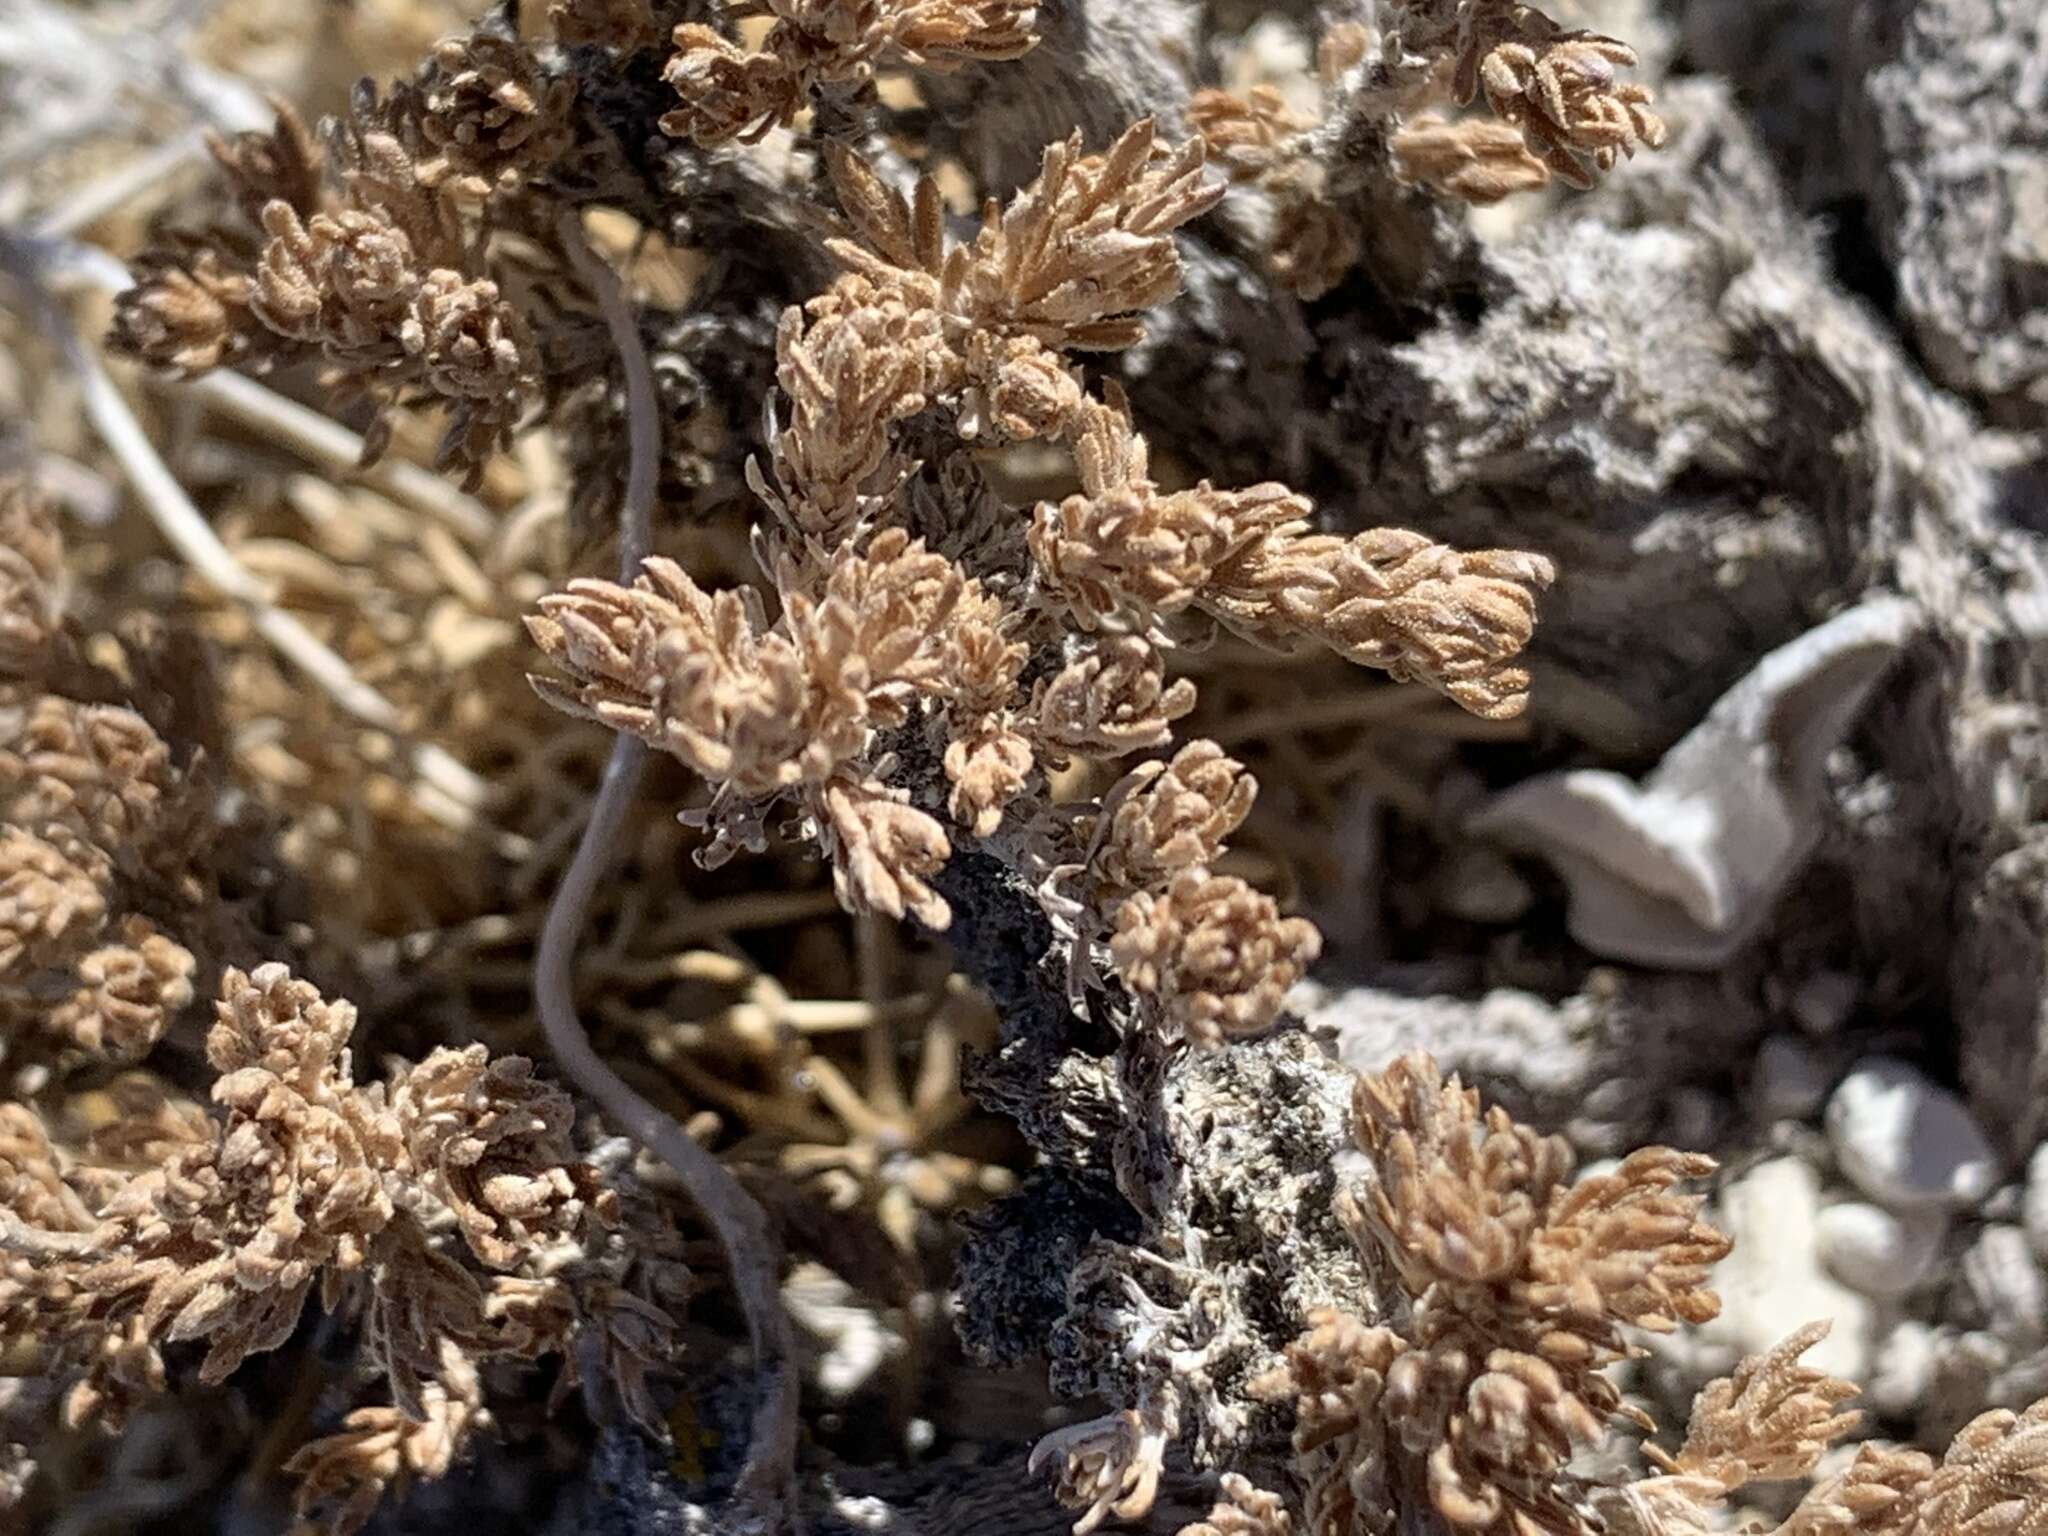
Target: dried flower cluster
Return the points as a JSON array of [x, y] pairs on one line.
[[1263, 143], [1522, 1287], [1521, 1284], [443, 1208], [98, 829], [367, 258], [817, 46], [883, 638], [1556, 87], [1208, 951], [1558, 109]]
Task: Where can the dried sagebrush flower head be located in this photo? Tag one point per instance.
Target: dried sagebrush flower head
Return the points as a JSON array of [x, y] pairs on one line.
[[1069, 262], [50, 892], [262, 166], [100, 771], [1123, 553], [1773, 1418], [31, 582], [377, 280], [225, 1241], [865, 361], [488, 114], [1249, 134], [1479, 1211], [128, 993], [728, 93], [793, 709], [96, 822], [1123, 548], [1335, 1375], [1111, 700], [1521, 1285], [1169, 816], [1394, 599], [305, 1179], [491, 1143], [1212, 953], [1557, 88]]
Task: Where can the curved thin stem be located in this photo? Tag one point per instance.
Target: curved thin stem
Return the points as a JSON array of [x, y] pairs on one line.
[[741, 1227]]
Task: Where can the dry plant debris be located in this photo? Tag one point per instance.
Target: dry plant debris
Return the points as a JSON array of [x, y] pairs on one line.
[[898, 359], [1559, 109], [1523, 1285]]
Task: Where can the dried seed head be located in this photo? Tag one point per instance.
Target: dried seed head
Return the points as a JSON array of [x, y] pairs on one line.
[[1213, 954], [489, 114]]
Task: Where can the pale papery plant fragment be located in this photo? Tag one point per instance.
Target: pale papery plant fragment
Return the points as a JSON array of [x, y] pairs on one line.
[[1106, 1467]]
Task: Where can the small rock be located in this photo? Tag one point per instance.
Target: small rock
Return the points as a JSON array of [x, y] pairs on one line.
[[1773, 1282], [2034, 1206], [2008, 1287], [1907, 1142], [1791, 1080], [1902, 1370], [1871, 1250], [1823, 1002]]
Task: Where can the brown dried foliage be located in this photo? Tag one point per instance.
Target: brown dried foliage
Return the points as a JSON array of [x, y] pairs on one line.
[[1557, 88], [819, 46], [1558, 110], [96, 822], [1523, 1285], [880, 633], [308, 1181], [363, 259]]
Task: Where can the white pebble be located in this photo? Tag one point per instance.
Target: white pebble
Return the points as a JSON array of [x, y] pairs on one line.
[[2007, 1285], [1905, 1141], [1791, 1080], [1871, 1250], [1774, 1281], [1902, 1372]]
